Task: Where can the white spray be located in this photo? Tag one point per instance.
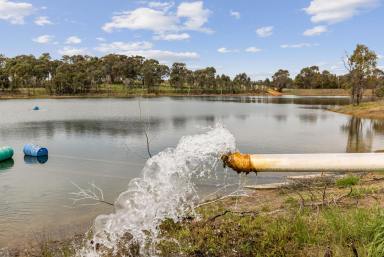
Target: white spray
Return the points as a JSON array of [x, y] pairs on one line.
[[165, 191]]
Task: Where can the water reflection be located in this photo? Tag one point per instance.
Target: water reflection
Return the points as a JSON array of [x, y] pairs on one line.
[[308, 117], [280, 117], [311, 100], [35, 160], [6, 165], [361, 134], [111, 127]]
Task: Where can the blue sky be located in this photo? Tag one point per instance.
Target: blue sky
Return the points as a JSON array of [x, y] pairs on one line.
[[253, 36]]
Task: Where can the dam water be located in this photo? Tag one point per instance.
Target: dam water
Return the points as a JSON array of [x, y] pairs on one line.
[[102, 141]]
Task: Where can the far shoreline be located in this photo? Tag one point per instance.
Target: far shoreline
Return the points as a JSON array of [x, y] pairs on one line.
[[120, 94]]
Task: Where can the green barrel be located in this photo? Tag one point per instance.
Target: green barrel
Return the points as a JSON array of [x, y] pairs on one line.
[[5, 153]]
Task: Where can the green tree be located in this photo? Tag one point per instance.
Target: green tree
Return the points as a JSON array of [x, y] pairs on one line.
[[361, 65], [281, 80], [153, 74], [309, 77], [178, 75]]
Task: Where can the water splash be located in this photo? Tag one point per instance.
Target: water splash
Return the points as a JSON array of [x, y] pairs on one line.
[[165, 191]]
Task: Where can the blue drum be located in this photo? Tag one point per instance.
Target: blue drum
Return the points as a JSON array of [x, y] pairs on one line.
[[35, 150]]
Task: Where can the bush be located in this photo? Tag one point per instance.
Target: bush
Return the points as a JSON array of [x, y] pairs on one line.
[[380, 92], [347, 181]]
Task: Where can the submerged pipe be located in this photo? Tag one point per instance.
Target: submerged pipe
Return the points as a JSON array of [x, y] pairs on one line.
[[332, 162]]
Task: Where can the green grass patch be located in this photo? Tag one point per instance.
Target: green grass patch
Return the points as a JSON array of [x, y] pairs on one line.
[[304, 233], [347, 181]]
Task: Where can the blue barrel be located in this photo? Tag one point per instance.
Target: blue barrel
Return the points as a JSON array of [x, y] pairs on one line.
[[35, 150], [6, 153]]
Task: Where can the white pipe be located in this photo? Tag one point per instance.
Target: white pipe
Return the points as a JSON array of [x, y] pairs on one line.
[[353, 162]]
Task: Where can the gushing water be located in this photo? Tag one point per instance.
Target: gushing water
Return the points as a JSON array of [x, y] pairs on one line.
[[165, 190]]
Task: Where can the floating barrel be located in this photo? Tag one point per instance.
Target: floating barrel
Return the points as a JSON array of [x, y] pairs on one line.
[[35, 150], [6, 153]]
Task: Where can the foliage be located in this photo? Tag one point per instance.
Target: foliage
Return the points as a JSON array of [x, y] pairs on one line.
[[82, 74], [305, 233], [347, 181], [281, 80], [362, 67]]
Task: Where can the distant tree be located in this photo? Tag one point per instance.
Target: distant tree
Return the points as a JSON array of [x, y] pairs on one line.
[[178, 75], [376, 82], [309, 77], [328, 80], [361, 65], [4, 80], [242, 82], [205, 78], [281, 80], [153, 74]]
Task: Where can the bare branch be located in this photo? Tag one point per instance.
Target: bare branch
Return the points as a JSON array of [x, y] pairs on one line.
[[93, 194]]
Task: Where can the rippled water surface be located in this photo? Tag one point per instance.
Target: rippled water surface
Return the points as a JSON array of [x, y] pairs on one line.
[[102, 141]]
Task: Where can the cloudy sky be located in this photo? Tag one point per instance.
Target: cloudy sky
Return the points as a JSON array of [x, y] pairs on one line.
[[253, 36]]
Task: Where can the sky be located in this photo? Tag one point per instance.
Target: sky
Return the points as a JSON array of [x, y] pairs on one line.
[[253, 36]]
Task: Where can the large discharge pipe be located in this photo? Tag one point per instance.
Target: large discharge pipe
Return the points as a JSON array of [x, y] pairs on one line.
[[330, 162]]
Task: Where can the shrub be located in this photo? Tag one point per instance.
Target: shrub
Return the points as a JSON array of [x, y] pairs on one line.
[[347, 181]]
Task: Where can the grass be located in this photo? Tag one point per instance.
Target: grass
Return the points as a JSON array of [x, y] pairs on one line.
[[293, 234], [316, 92], [347, 181], [374, 110], [271, 223]]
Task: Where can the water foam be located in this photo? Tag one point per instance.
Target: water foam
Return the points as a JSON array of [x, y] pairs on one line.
[[165, 190]]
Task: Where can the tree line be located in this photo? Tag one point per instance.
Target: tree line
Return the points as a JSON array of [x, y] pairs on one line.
[[82, 74]]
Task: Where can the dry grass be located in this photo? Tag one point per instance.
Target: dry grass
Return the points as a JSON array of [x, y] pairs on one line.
[[372, 110]]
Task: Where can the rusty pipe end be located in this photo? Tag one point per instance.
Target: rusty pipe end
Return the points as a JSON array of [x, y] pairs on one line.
[[241, 163]]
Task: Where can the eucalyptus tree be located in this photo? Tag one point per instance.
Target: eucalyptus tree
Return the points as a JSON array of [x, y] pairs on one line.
[[205, 78], [281, 80], [309, 77], [242, 82], [153, 74], [4, 80], [178, 75], [361, 66]]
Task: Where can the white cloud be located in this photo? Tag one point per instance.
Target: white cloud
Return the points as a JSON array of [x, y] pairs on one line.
[[43, 39], [123, 46], [337, 11], [161, 5], [172, 37], [42, 21], [300, 45], [142, 18], [265, 31], [13, 12], [252, 49], [379, 56], [223, 50], [145, 49], [73, 40], [73, 51], [235, 14], [100, 39], [156, 18], [315, 31], [195, 14]]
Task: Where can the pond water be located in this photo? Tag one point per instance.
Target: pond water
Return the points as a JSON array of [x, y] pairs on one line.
[[102, 141]]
